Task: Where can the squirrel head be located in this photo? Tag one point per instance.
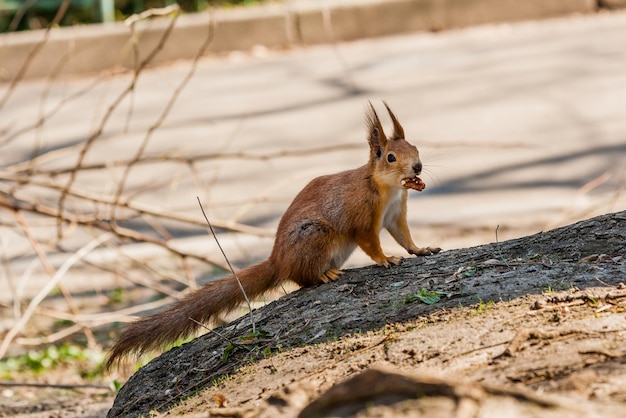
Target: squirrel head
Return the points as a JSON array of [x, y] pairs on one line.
[[391, 158]]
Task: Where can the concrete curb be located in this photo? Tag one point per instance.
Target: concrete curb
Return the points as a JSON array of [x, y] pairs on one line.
[[94, 48]]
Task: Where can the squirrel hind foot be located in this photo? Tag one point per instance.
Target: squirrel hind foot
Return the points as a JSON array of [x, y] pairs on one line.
[[425, 251], [391, 261], [331, 275]]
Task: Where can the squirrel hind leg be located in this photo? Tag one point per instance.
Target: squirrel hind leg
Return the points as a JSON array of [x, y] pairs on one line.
[[331, 275]]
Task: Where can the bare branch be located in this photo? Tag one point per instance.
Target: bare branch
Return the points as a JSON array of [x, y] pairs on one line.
[[163, 116], [174, 157], [10, 202], [46, 192], [33, 53], [96, 134], [39, 123], [51, 271]]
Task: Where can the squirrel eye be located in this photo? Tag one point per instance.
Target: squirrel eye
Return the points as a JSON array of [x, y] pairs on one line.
[[391, 158]]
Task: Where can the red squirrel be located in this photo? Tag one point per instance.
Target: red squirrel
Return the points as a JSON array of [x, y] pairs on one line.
[[326, 221]]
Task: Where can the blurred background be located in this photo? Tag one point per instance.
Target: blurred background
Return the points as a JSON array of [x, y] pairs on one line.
[[111, 132], [38, 14]]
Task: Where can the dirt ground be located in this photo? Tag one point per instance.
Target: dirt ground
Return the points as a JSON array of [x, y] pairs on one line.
[[534, 325], [519, 355], [51, 402]]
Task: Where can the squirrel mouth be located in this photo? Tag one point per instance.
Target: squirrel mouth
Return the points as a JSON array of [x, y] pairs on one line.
[[414, 183]]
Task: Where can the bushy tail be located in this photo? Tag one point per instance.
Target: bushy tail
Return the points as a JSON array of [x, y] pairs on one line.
[[204, 305]]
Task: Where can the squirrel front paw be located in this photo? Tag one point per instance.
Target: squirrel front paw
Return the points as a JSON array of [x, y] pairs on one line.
[[424, 250]]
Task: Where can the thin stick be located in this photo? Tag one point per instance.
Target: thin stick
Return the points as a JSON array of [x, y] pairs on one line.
[[499, 249], [229, 265], [212, 330]]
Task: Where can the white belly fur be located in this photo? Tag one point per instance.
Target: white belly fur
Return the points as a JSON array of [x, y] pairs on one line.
[[392, 211]]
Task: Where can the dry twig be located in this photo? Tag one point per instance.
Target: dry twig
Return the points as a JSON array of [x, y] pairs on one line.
[[33, 53]]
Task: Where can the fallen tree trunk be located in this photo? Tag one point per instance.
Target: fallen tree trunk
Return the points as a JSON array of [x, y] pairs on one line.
[[371, 297]]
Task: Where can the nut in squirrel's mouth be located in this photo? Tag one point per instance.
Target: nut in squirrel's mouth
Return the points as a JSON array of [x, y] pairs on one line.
[[414, 183]]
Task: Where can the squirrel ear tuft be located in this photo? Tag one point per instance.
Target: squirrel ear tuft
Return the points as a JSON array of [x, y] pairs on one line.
[[377, 151], [398, 131], [375, 133]]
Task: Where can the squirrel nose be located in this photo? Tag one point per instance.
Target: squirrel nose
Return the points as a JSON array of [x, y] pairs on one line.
[[417, 167]]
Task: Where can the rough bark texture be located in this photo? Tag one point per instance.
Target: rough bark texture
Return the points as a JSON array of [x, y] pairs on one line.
[[585, 255]]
